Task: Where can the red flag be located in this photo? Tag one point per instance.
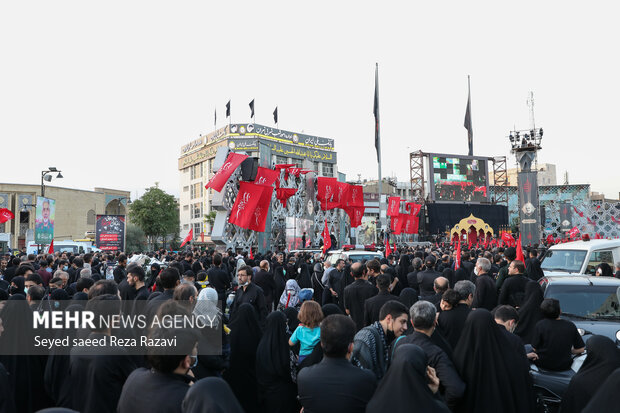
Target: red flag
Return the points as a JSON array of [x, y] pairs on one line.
[[266, 176], [396, 223], [393, 206], [250, 254], [326, 190], [356, 196], [411, 224], [259, 214], [355, 215], [550, 239], [283, 194], [233, 160], [520, 250], [327, 240], [5, 215], [457, 261], [190, 236], [247, 200], [573, 232], [51, 248], [202, 236], [508, 239], [413, 208], [342, 196], [388, 249]]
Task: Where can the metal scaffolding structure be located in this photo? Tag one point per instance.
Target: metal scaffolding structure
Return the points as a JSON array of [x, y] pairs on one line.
[[500, 180], [416, 165]]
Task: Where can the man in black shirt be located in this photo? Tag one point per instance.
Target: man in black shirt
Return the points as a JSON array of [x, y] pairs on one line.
[[357, 293], [451, 322], [440, 286], [427, 278], [486, 294], [250, 293], [555, 340], [264, 279], [513, 289], [218, 278], [135, 278], [321, 386], [119, 270], [335, 285], [423, 315], [412, 277], [372, 306]]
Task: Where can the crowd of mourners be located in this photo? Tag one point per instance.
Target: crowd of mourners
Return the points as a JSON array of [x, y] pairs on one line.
[[416, 331]]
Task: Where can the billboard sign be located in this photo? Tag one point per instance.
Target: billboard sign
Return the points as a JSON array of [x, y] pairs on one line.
[[44, 220], [110, 232], [456, 178]]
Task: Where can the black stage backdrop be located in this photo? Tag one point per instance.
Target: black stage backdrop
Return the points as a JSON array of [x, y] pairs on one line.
[[440, 215]]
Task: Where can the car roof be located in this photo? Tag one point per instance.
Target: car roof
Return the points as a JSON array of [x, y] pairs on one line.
[[582, 280], [354, 252], [586, 245]]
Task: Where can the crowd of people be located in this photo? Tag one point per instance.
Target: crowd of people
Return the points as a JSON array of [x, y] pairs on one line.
[[417, 331]]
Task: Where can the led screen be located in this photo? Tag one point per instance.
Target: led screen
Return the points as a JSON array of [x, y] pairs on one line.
[[460, 179]]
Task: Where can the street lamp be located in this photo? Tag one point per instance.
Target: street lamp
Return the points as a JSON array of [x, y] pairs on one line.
[[47, 176]]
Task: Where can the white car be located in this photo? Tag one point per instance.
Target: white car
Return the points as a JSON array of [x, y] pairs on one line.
[[355, 255], [580, 257]]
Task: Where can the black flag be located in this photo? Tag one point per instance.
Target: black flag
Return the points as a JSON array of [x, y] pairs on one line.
[[228, 109], [376, 113], [467, 124], [252, 108], [215, 117], [275, 115]]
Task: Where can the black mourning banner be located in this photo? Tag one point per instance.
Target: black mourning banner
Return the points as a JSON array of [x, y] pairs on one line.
[[228, 109], [252, 109], [566, 217], [529, 208]]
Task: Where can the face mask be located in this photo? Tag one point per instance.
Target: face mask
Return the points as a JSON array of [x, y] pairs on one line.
[[284, 271], [13, 290], [48, 269], [195, 362], [65, 268], [26, 290]]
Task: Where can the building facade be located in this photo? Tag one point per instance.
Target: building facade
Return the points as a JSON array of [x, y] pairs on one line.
[[75, 214], [271, 145]]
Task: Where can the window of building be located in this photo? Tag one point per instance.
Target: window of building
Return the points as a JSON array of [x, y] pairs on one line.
[[197, 229], [197, 210], [196, 171], [185, 170], [196, 190], [328, 169], [90, 217], [281, 159], [185, 226], [210, 166], [185, 207], [185, 188]]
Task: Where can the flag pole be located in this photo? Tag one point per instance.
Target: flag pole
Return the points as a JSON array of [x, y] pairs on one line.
[[378, 139]]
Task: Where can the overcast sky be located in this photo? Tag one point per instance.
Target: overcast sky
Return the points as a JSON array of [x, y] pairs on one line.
[[108, 92]]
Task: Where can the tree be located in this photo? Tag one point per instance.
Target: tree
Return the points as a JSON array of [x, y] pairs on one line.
[[134, 238], [156, 213], [210, 218]]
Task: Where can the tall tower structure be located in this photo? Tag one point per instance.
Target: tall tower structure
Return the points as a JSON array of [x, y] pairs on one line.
[[525, 146]]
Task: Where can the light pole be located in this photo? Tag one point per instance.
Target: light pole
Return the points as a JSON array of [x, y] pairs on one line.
[[47, 176]]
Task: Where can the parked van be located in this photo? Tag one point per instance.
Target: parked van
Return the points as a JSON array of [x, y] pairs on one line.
[[580, 257]]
